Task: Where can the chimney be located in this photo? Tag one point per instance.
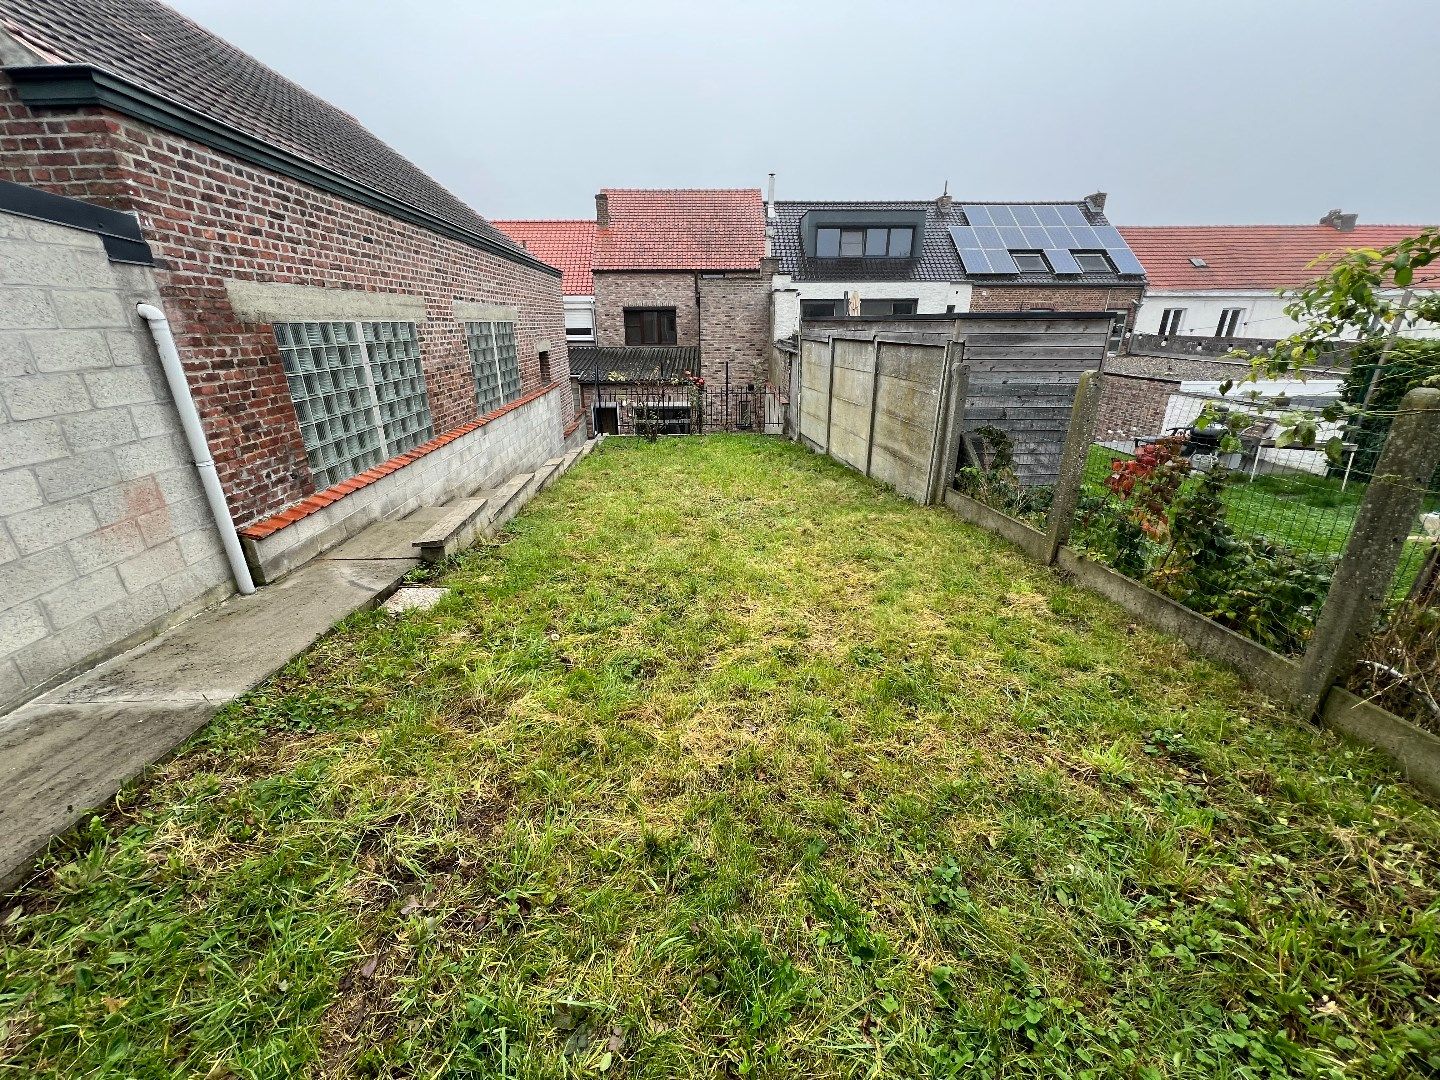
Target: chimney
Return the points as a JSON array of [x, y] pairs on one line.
[[1095, 202], [944, 202], [602, 211], [770, 197], [1339, 221]]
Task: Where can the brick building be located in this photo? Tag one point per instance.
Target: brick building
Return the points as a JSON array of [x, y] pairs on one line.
[[677, 286], [351, 333]]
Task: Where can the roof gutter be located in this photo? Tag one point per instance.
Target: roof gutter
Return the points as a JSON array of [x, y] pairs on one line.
[[60, 86]]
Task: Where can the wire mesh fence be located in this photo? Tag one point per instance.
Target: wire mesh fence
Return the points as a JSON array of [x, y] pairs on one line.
[[1237, 505]]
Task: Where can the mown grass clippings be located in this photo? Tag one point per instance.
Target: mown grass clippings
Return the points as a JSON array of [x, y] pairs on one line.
[[726, 762]]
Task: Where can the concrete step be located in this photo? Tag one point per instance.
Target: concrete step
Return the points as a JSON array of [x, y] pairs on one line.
[[509, 499], [456, 527], [546, 474]]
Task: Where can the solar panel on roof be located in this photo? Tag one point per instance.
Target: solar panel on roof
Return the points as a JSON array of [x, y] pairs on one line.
[[1061, 261], [1072, 215], [1125, 260], [976, 214], [1025, 215]]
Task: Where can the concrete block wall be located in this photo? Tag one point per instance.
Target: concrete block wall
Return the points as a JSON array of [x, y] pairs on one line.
[[105, 536], [520, 440]]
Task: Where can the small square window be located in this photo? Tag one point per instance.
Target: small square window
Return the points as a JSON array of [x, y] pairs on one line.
[[827, 244], [1030, 262], [1170, 320], [902, 241], [852, 243], [1093, 262]]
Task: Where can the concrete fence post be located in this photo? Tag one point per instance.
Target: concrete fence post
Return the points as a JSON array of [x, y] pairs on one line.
[[1072, 464], [830, 394], [874, 392], [950, 422], [1362, 581]]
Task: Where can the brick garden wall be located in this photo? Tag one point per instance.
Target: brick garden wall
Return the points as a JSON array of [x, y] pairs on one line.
[[1132, 406], [1059, 297], [210, 218], [104, 531]]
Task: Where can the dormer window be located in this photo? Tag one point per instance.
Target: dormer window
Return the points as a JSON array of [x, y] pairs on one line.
[[1030, 262], [864, 243], [1093, 262]]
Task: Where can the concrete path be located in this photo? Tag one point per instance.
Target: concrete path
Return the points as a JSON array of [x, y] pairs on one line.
[[69, 751], [72, 749]]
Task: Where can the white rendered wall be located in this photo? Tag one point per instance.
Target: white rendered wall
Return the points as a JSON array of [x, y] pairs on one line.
[[1264, 313], [932, 297]]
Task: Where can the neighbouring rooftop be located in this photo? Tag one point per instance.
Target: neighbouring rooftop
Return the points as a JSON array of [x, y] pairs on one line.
[[957, 241], [633, 363], [679, 229], [1253, 256], [568, 244]]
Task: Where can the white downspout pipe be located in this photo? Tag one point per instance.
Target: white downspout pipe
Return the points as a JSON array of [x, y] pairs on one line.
[[199, 447]]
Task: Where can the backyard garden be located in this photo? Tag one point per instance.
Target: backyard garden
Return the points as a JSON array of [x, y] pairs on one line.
[[726, 761]]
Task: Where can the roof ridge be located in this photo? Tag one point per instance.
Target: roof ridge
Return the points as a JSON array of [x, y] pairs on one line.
[[682, 191], [1359, 227], [542, 221]]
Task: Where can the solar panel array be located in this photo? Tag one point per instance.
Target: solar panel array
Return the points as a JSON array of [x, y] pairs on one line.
[[1058, 230]]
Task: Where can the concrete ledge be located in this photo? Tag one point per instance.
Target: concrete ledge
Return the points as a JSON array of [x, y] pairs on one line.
[[516, 440], [1414, 749], [270, 302], [462, 521], [1268, 670], [474, 311], [1027, 538]]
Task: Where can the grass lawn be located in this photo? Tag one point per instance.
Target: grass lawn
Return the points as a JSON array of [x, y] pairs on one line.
[[727, 762]]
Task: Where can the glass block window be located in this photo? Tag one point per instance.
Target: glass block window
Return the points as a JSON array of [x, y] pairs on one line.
[[495, 362], [399, 381], [330, 386]]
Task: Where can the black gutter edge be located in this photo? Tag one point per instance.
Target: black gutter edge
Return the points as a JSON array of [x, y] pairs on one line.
[[58, 86], [951, 316], [118, 231]]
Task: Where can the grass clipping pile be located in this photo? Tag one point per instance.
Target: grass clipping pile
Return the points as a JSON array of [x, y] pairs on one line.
[[727, 762]]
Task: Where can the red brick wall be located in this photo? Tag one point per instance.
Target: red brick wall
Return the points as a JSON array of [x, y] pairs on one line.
[[1132, 406], [209, 217], [734, 329], [617, 290], [986, 297]]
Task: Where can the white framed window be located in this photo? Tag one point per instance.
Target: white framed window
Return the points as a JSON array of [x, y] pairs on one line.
[[1229, 322], [1170, 320], [359, 393], [495, 363], [580, 324]]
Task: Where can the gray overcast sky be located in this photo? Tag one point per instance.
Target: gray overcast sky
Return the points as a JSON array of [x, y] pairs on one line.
[[1235, 111]]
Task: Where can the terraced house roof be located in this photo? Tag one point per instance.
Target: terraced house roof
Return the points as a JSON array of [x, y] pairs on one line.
[[570, 245], [190, 71], [937, 258], [681, 229], [1253, 256]]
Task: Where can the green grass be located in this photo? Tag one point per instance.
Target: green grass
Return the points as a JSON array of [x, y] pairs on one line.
[[1304, 511], [727, 762]]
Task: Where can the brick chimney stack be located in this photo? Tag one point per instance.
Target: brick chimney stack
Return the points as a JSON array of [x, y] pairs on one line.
[[602, 211], [1095, 202], [944, 202]]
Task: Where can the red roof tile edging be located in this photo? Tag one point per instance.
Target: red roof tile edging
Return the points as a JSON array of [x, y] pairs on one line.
[[259, 530]]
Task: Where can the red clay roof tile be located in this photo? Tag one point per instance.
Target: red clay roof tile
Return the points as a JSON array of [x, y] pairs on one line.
[[566, 244], [678, 229], [1252, 256]]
